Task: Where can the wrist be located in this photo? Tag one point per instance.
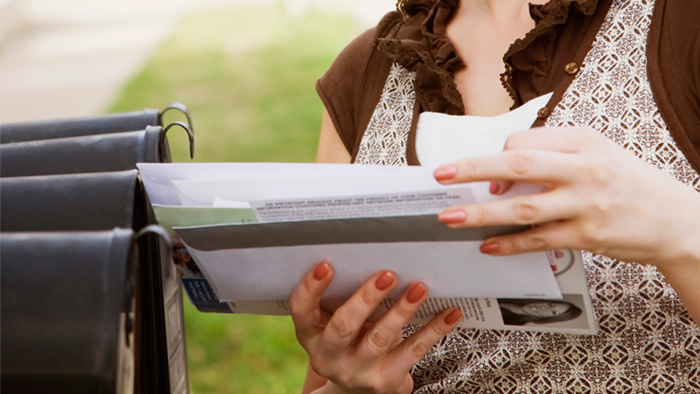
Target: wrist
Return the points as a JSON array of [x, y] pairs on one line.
[[684, 276], [689, 245], [685, 254], [690, 249], [681, 248]]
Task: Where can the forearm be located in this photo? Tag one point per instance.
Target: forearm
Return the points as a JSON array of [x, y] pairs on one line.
[[682, 264], [684, 276]]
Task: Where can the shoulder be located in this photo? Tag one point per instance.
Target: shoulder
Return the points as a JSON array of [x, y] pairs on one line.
[[677, 21], [674, 70], [352, 85], [357, 58]]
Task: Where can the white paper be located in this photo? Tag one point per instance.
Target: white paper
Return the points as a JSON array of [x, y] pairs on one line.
[[442, 138], [221, 203], [449, 269], [484, 313], [399, 204], [158, 177], [202, 192], [222, 180]]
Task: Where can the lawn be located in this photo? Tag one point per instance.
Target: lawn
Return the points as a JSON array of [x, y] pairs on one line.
[[247, 76]]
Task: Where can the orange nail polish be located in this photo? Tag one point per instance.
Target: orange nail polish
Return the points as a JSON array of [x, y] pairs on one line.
[[445, 173], [385, 280], [321, 271], [490, 248], [453, 317], [452, 216], [416, 293]]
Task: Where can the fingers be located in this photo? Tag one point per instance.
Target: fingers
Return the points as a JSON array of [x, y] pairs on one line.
[[379, 358], [532, 166], [558, 139], [556, 235], [499, 188], [417, 345], [407, 386], [383, 334], [304, 302], [529, 209], [346, 323], [523, 157]]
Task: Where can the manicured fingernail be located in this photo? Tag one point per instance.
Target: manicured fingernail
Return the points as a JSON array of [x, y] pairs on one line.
[[494, 187], [385, 280], [490, 248], [321, 271], [452, 216], [453, 317], [416, 293], [445, 172]]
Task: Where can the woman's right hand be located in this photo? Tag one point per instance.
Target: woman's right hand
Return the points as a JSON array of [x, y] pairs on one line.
[[357, 356]]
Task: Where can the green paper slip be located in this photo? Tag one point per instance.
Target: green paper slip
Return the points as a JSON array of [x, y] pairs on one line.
[[176, 216]]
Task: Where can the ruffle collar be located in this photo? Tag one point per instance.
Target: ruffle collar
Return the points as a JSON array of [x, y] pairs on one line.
[[420, 44]]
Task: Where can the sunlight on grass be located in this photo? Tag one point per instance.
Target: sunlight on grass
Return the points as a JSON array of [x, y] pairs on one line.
[[247, 76]]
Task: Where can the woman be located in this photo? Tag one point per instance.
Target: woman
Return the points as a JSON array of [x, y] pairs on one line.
[[623, 121], [518, 312]]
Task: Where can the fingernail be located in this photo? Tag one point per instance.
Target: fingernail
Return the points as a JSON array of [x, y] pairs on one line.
[[321, 271], [445, 173], [453, 317], [490, 248], [494, 187], [385, 280], [452, 216], [416, 293]]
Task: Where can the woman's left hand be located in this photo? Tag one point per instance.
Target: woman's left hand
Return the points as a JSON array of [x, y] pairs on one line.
[[599, 198]]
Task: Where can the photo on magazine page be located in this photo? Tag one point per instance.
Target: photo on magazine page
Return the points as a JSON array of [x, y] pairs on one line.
[[565, 313]]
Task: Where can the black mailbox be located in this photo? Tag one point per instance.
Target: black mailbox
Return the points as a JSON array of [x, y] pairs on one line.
[[103, 124], [65, 186], [68, 312], [75, 202]]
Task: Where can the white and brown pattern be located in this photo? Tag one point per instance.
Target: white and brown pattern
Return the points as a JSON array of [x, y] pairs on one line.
[[647, 343], [385, 140]]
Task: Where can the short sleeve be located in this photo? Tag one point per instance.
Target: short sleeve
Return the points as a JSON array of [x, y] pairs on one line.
[[674, 71], [352, 86]]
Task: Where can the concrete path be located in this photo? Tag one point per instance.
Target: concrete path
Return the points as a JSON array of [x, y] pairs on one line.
[[69, 58]]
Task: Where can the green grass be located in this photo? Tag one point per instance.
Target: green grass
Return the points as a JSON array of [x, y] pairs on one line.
[[243, 354], [248, 78]]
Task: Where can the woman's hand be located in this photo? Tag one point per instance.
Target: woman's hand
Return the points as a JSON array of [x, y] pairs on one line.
[[357, 356], [599, 198]]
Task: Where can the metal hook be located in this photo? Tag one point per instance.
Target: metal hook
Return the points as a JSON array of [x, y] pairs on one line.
[[154, 229], [162, 233], [178, 107], [190, 134]]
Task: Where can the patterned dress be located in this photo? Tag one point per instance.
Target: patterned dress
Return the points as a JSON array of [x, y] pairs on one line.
[[647, 343]]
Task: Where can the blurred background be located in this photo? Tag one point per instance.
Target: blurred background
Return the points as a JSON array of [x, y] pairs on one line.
[[246, 69]]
